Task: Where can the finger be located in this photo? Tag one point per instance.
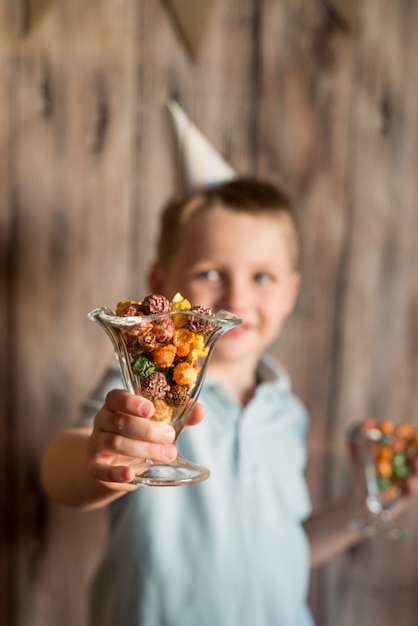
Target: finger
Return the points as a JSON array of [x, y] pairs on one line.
[[412, 484], [197, 414], [112, 473], [133, 427], [111, 444], [119, 400], [123, 470]]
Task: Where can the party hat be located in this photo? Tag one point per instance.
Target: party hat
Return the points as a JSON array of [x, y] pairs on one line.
[[199, 163]]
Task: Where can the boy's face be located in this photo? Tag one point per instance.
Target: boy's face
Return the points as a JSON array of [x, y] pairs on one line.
[[238, 262]]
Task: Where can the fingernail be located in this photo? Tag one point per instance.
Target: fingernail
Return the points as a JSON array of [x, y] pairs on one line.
[[170, 453], [146, 410], [168, 435]]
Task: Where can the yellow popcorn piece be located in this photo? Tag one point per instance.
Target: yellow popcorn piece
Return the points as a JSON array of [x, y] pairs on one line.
[[162, 411], [180, 320], [121, 305], [199, 350], [195, 354], [179, 303], [199, 341]]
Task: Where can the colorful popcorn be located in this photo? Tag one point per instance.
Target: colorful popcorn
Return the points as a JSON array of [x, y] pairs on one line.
[[163, 355], [155, 304], [163, 412], [154, 386], [165, 349], [395, 453], [178, 395], [199, 325], [143, 366], [186, 374]]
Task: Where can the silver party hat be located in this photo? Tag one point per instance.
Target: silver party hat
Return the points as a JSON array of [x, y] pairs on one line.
[[200, 164]]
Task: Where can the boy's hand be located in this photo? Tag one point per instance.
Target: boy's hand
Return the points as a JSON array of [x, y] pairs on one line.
[[124, 436], [410, 495]]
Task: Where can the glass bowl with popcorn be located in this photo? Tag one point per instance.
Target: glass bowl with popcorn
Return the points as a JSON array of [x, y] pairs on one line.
[[163, 349], [383, 456]]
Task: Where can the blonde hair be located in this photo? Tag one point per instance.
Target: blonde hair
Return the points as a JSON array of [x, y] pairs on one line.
[[242, 195]]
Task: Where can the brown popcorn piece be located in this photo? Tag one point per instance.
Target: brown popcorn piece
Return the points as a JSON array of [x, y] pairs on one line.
[[154, 303], [162, 411], [147, 342], [134, 332], [163, 329], [198, 325], [131, 309], [155, 386], [122, 305], [178, 395], [140, 329], [138, 344]]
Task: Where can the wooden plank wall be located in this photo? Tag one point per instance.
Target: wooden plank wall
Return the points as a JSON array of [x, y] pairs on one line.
[[281, 89]]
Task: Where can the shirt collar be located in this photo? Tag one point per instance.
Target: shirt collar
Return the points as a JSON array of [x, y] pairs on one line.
[[269, 371]]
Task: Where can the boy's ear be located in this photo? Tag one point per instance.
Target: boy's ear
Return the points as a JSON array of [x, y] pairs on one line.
[[155, 281], [293, 291]]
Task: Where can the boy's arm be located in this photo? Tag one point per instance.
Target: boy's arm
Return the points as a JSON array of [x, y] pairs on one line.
[[328, 533], [88, 467], [65, 477]]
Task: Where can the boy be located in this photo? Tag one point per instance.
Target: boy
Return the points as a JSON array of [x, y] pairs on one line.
[[231, 550]]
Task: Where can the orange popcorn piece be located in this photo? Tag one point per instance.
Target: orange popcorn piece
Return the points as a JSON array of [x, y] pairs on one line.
[[186, 374], [386, 427], [386, 453], [163, 355], [406, 431], [183, 340], [384, 468]]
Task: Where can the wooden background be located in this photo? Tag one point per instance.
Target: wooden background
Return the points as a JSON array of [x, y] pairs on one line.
[[283, 89]]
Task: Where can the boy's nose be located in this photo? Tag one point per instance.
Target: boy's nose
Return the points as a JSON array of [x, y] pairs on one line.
[[235, 296]]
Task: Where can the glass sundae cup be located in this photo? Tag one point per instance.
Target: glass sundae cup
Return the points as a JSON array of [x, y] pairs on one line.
[[163, 356], [383, 456]]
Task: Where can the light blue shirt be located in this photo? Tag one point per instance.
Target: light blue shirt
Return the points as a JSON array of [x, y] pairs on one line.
[[229, 551]]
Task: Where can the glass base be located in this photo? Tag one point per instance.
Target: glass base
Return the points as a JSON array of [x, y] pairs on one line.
[[179, 472], [376, 527]]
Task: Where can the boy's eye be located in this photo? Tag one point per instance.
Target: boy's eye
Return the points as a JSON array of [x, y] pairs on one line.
[[209, 275], [262, 277]]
